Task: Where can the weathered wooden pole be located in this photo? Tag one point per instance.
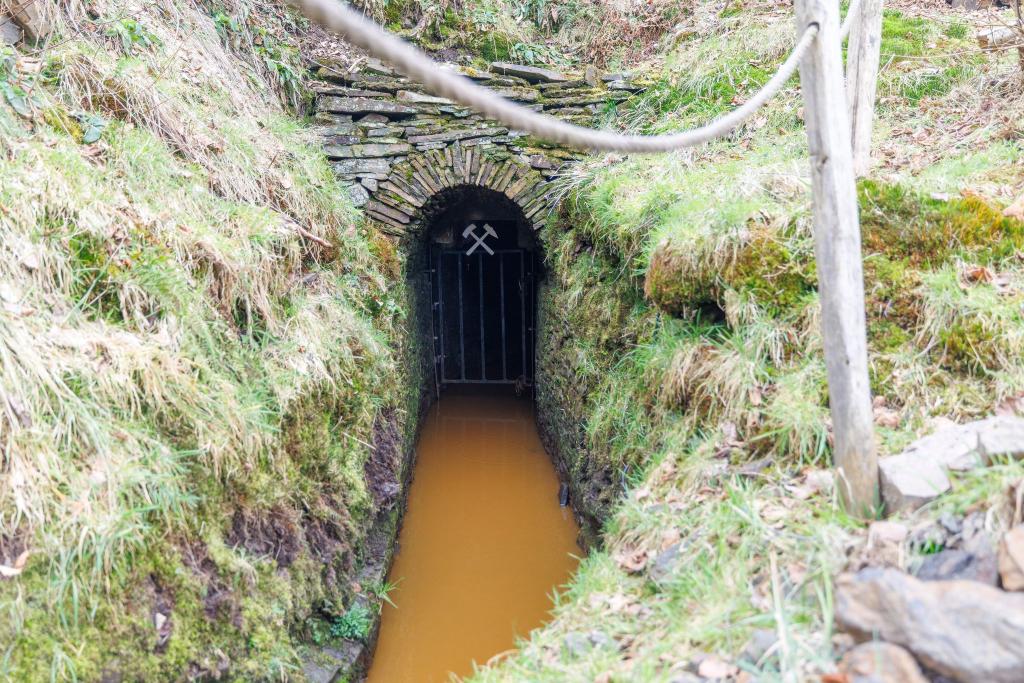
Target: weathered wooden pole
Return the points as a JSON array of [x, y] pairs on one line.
[[862, 57], [837, 251]]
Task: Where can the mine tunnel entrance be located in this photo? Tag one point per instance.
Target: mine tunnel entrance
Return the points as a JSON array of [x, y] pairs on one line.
[[481, 266]]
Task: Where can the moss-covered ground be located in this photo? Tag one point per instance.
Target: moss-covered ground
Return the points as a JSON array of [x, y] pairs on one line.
[[680, 350], [200, 350]]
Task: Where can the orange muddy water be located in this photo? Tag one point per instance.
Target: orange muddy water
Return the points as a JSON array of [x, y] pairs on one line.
[[483, 543]]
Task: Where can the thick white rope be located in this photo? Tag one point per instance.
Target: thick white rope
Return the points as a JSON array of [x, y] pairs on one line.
[[851, 12], [360, 31]]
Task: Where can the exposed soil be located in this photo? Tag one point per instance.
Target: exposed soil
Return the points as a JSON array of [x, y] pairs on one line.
[[268, 534], [219, 601], [384, 466], [11, 548]]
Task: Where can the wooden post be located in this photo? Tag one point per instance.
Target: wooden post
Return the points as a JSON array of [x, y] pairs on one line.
[[837, 251], [862, 58]]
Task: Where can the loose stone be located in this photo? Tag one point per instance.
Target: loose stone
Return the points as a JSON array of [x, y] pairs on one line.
[[921, 616], [880, 663], [910, 480], [365, 105], [533, 74]]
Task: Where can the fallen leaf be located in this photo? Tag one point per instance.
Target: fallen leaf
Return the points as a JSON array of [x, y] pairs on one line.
[[632, 561], [19, 566], [886, 417], [1010, 406], [976, 274], [713, 667], [669, 537], [797, 572], [1015, 210], [834, 678]]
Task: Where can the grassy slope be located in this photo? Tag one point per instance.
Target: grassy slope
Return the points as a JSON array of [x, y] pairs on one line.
[[197, 341], [678, 400], [543, 32]]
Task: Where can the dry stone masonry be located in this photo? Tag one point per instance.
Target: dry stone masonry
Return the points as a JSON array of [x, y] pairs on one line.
[[918, 475], [397, 147]]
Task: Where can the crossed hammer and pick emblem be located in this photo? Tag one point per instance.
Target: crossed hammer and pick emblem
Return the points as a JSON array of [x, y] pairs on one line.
[[471, 231]]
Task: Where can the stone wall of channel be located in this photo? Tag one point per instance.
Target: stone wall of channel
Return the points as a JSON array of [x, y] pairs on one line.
[[396, 146]]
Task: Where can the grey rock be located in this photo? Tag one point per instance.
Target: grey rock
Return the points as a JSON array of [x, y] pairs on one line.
[[381, 148], [541, 161], [602, 640], [364, 105], [30, 16], [624, 86], [359, 166], [379, 131], [665, 563], [577, 644], [956, 564], [761, 642], [345, 91], [562, 85], [909, 480], [375, 66], [533, 74], [317, 672], [952, 524], [451, 136], [966, 630], [335, 140], [955, 448], [365, 121], [1000, 437], [358, 195], [457, 112], [616, 76], [1011, 559], [880, 663], [328, 664], [421, 98], [370, 184], [686, 677], [10, 32], [518, 94]]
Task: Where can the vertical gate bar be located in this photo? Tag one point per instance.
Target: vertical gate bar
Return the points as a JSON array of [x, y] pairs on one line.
[[440, 312], [480, 289], [434, 341], [522, 308], [462, 333], [501, 286], [531, 356]]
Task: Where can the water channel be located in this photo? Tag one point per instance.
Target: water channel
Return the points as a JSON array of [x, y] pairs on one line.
[[483, 544]]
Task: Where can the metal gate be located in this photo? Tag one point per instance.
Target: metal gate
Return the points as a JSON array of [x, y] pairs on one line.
[[483, 308]]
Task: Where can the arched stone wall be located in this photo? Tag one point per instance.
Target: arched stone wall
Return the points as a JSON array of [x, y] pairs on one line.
[[412, 183], [396, 147]]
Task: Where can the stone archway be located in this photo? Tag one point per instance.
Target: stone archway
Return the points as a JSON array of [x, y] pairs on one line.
[[395, 146], [412, 183]]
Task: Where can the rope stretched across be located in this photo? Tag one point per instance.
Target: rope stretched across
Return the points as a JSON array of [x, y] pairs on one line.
[[415, 64]]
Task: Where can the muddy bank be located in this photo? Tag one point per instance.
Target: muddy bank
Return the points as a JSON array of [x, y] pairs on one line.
[[388, 473]]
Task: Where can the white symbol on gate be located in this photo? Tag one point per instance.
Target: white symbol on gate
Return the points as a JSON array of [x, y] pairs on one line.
[[488, 232]]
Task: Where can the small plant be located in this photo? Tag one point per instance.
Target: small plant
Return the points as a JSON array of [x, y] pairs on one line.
[[132, 34], [354, 624], [16, 96], [382, 591], [957, 30]]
